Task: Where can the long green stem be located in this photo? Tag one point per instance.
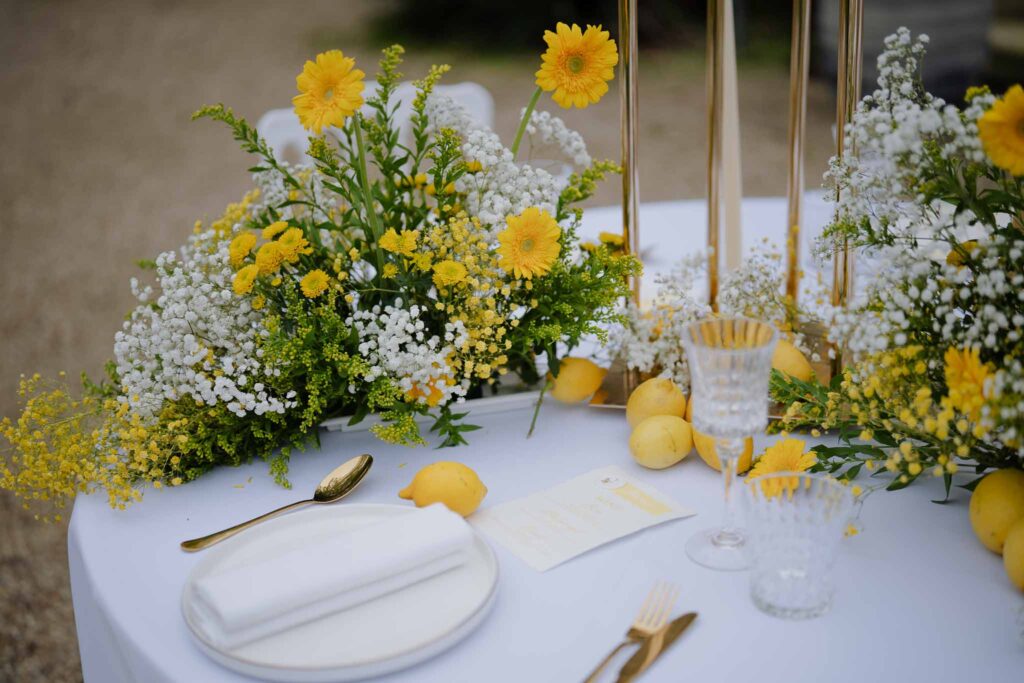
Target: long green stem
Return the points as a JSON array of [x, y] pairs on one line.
[[364, 182], [526, 119], [536, 408]]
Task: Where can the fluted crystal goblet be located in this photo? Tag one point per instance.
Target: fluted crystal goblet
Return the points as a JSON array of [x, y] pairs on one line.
[[730, 361]]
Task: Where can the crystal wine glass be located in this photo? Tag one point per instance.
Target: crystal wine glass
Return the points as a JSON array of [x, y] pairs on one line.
[[730, 362]]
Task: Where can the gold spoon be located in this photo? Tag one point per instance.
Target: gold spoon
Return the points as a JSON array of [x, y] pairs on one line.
[[335, 486]]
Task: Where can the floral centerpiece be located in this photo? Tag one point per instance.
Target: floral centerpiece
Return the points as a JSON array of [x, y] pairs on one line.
[[935, 379], [390, 276]]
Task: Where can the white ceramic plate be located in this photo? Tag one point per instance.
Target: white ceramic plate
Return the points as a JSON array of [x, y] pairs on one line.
[[390, 633]]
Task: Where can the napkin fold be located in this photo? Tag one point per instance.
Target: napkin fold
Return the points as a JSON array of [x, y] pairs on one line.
[[245, 604]]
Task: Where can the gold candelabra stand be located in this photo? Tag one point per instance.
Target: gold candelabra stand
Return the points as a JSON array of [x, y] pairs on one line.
[[851, 19]]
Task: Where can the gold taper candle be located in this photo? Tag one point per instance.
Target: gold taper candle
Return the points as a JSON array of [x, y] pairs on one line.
[[732, 173], [798, 76], [715, 41], [628, 107], [848, 75]]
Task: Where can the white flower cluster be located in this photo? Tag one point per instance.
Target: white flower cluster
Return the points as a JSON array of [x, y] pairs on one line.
[[887, 141], [502, 187], [651, 341], [394, 342], [196, 340], [546, 131], [274, 191]]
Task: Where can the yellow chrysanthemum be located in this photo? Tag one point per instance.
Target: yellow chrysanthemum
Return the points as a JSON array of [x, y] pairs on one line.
[[577, 65], [1001, 130], [314, 283], [448, 273], [390, 270], [612, 239], [244, 280], [330, 90], [240, 247], [293, 244], [274, 229], [965, 378], [403, 243], [269, 258], [783, 456], [529, 245]]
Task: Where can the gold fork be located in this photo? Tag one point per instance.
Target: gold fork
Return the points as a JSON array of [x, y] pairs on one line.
[[652, 615]]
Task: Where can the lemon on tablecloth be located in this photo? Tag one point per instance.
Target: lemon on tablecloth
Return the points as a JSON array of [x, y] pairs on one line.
[[658, 396], [1013, 553], [706, 450], [451, 483], [578, 379], [661, 441], [997, 502]]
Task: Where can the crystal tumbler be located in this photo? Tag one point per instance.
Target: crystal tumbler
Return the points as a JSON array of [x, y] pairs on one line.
[[796, 522]]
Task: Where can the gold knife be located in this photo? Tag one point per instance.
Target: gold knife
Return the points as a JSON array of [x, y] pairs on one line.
[[654, 646]]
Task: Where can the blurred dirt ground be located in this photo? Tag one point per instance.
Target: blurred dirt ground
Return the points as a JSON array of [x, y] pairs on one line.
[[101, 166]]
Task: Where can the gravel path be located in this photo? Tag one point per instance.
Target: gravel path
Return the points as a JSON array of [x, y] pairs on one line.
[[101, 166]]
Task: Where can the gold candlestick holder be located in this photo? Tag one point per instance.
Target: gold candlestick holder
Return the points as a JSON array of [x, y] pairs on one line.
[[620, 381]]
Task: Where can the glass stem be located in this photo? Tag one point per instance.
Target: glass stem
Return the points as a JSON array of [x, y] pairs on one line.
[[729, 451]]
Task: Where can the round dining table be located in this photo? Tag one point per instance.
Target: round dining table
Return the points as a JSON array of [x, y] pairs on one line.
[[919, 598]]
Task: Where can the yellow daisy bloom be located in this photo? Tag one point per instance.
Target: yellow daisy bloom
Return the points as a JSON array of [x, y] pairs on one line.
[[448, 273], [314, 283], [244, 280], [390, 270], [612, 239], [240, 247], [965, 378], [1001, 130], [529, 245], [783, 456], [403, 243], [269, 258], [274, 229], [577, 65], [330, 90], [293, 244]]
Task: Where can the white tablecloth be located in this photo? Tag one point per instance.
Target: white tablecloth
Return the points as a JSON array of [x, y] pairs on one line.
[[920, 598]]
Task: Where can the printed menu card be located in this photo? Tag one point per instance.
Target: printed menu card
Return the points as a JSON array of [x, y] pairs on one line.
[[547, 528]]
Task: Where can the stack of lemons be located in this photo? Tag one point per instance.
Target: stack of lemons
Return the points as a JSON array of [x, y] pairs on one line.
[[661, 417], [997, 517]]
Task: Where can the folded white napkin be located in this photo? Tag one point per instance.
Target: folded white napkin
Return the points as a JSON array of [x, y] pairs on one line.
[[247, 603]]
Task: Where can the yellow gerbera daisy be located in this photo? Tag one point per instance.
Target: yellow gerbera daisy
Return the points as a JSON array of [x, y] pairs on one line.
[[269, 258], [1001, 130], [577, 65], [314, 283], [448, 273], [244, 280], [293, 244], [240, 247], [330, 90], [965, 379], [274, 229], [783, 456], [529, 245]]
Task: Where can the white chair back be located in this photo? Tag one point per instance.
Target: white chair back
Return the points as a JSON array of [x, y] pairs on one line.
[[288, 139]]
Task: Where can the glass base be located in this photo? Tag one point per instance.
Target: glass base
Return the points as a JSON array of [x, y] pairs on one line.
[[725, 551]]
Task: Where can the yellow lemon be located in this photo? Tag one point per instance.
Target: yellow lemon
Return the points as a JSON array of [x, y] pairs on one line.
[[658, 396], [451, 483], [661, 441], [706, 450], [790, 360], [1013, 554], [997, 502], [578, 378]]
